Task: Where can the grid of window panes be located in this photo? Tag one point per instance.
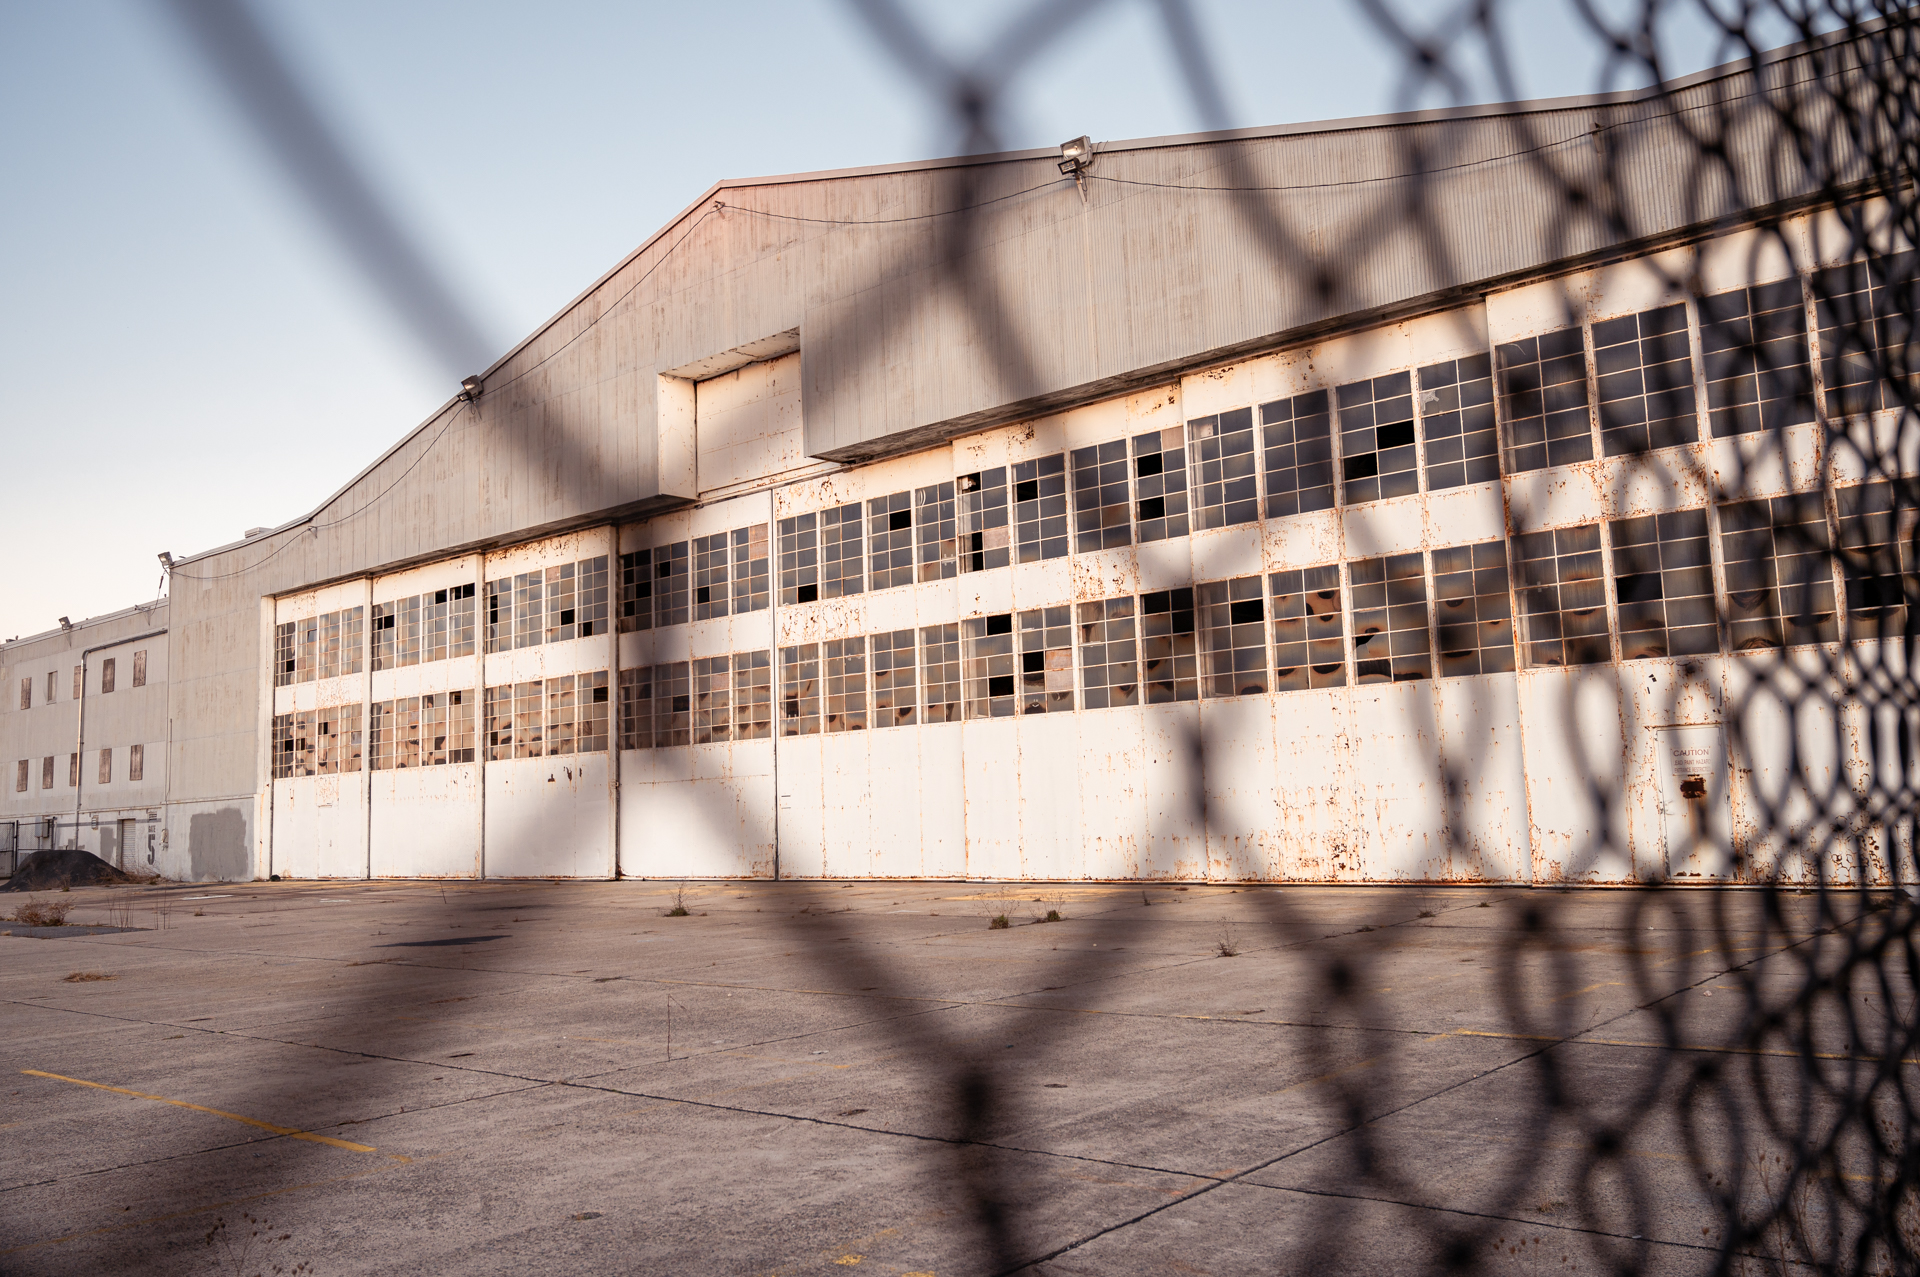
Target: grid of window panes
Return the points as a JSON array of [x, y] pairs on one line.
[[1233, 616], [1390, 619], [943, 684], [1109, 653], [890, 540], [1225, 488], [800, 690], [1543, 389], [1778, 564], [560, 584], [325, 646], [938, 549], [670, 581], [711, 558], [845, 671], [1040, 508], [636, 595], [1309, 638], [749, 568], [1377, 455], [752, 695], [1160, 483], [1046, 660], [1102, 497], [981, 501], [1457, 424], [529, 611], [285, 664], [1877, 558], [991, 684], [1563, 596], [1643, 372], [283, 750], [1850, 340], [712, 691], [1296, 453], [672, 704], [842, 566], [892, 666], [1754, 345], [799, 559], [1663, 585], [636, 708], [1473, 609], [1896, 301], [1169, 647]]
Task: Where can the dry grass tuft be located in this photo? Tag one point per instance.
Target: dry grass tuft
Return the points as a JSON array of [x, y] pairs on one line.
[[42, 913], [86, 977]]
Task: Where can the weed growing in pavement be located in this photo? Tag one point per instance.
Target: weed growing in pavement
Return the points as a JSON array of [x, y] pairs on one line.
[[1228, 943], [679, 909], [250, 1255], [999, 922], [85, 977], [1053, 908], [162, 913], [42, 913], [1427, 913]]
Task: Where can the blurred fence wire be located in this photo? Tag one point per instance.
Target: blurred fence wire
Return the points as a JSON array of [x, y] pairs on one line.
[[1796, 1108]]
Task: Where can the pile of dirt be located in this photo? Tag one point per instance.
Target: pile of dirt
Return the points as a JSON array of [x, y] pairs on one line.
[[62, 867]]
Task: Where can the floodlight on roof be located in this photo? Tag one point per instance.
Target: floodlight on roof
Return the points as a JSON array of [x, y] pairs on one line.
[[1076, 156]]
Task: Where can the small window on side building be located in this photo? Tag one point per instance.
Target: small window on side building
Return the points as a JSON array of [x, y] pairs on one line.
[[106, 675], [106, 767], [136, 762], [140, 668]]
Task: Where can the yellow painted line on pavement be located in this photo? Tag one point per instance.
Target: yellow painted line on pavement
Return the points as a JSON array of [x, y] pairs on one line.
[[288, 1131]]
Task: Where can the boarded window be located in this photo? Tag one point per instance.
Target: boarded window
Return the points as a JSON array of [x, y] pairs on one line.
[[1753, 342], [990, 660], [106, 767], [749, 568], [1160, 484], [20, 777], [892, 666], [106, 675], [981, 520], [1562, 596], [636, 708], [1663, 585], [1473, 609], [752, 695], [80, 680], [1377, 452], [1643, 368], [846, 685], [73, 772], [1543, 388], [136, 762], [1102, 498], [842, 569], [935, 531], [1296, 449], [940, 658], [26, 693], [1309, 643], [1233, 617], [1169, 647], [1391, 643], [712, 700], [1046, 660], [53, 685], [1226, 492], [1040, 508], [712, 556], [1779, 570], [800, 690], [799, 559], [636, 591], [890, 540], [1109, 653], [1876, 544], [1456, 422]]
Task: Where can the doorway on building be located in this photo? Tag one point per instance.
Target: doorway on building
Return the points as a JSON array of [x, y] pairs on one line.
[[121, 852], [1694, 806]]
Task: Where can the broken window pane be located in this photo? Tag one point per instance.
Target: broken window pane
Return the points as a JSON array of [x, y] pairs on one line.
[[890, 539], [1754, 344], [1046, 660], [529, 612], [1040, 508], [636, 593], [982, 520], [672, 704], [1102, 498], [711, 555], [935, 521], [752, 696], [940, 657], [1644, 374], [529, 720], [384, 634], [329, 645], [712, 700], [1876, 542], [1474, 609], [1109, 653], [459, 623], [1543, 388], [282, 749], [1779, 572], [1456, 422], [1296, 440], [842, 571], [499, 622], [562, 706], [1225, 489], [563, 621], [1169, 647], [636, 708], [590, 713], [1663, 585], [670, 584], [894, 695], [1562, 596], [1390, 639], [1234, 617], [499, 723], [989, 666], [306, 654], [1309, 644], [325, 725], [800, 690], [1160, 483], [1377, 454], [846, 674], [434, 609], [749, 568], [799, 559]]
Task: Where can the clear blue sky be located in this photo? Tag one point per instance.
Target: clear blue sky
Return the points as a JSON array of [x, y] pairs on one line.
[[184, 353]]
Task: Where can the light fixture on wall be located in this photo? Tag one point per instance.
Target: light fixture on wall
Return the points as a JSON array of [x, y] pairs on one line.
[[65, 624], [1076, 157], [470, 388]]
